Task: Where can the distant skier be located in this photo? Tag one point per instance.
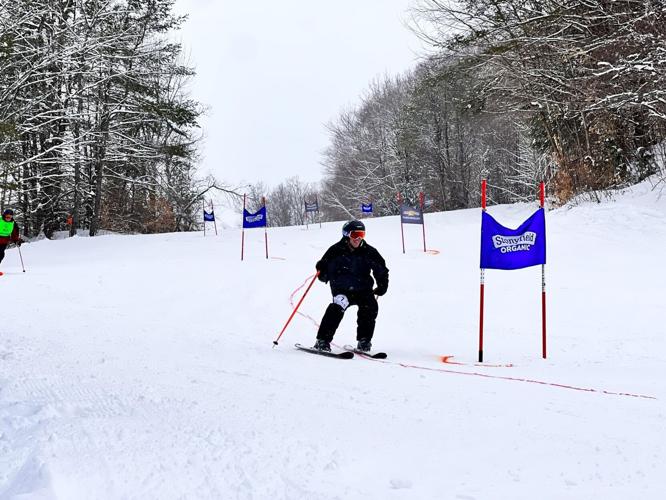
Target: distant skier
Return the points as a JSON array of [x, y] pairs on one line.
[[347, 265], [9, 231]]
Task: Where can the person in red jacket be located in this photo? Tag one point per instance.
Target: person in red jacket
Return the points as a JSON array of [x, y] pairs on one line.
[[9, 231]]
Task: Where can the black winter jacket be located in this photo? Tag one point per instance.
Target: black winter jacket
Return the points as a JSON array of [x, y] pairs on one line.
[[348, 269]]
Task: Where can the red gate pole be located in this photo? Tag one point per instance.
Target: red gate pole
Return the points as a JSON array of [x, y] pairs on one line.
[[402, 232], [422, 203], [542, 197], [266, 240], [482, 280], [263, 199], [318, 212], [212, 210], [243, 230]]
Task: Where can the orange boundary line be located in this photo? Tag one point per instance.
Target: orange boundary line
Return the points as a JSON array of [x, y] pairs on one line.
[[446, 359], [514, 379]]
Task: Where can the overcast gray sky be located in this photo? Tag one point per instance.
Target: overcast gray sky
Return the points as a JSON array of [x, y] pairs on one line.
[[274, 72]]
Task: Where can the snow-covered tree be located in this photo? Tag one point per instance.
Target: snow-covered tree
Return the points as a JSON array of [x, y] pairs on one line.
[[95, 122]]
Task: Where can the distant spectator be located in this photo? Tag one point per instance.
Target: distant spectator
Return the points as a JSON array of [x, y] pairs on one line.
[[9, 231]]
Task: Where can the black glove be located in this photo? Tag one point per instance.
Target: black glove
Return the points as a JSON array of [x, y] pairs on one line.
[[322, 277], [380, 290], [19, 242]]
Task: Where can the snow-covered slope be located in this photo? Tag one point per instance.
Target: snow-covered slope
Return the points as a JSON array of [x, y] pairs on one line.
[[143, 366]]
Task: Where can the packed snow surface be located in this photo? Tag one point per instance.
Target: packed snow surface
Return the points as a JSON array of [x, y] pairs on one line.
[[135, 367]]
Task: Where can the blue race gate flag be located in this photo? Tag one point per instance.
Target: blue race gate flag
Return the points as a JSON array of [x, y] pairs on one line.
[[312, 207], [209, 217], [410, 215], [257, 219], [504, 248], [366, 208]]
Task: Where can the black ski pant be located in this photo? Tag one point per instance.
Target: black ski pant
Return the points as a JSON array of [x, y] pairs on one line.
[[367, 314], [2, 251]]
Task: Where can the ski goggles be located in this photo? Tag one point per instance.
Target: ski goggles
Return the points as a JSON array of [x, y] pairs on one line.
[[354, 235]]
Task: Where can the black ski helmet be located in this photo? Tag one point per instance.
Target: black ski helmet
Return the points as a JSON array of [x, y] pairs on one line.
[[8, 211], [352, 225]]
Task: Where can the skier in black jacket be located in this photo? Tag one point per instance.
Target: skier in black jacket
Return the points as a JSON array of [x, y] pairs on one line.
[[347, 265]]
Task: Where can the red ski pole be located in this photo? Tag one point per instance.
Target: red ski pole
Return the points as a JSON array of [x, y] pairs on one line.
[[275, 342]]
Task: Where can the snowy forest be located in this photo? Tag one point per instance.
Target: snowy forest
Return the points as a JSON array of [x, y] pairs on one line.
[[97, 130], [514, 91]]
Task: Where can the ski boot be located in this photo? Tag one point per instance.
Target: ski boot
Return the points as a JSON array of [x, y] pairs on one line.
[[364, 345], [322, 345]]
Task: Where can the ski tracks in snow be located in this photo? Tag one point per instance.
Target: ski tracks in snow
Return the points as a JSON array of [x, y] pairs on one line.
[[64, 437]]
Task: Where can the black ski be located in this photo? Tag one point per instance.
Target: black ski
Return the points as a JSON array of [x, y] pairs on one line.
[[373, 355], [339, 355]]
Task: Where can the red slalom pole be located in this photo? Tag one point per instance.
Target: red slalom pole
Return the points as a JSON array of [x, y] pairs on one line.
[[542, 197], [481, 316], [212, 209], [543, 312], [402, 232], [263, 201], [483, 194], [266, 240], [243, 230], [275, 342], [422, 203], [482, 281]]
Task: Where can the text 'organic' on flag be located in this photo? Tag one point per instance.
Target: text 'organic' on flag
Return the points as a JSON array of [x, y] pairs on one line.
[[505, 248]]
